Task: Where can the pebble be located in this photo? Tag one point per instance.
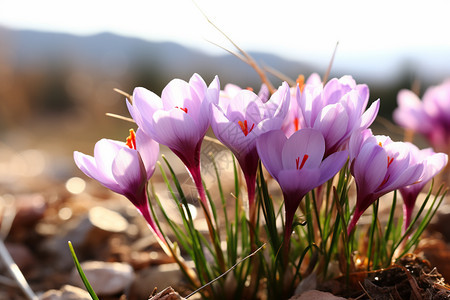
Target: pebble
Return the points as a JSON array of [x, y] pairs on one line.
[[106, 278], [67, 292]]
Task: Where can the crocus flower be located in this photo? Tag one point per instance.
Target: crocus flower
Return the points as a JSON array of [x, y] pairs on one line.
[[433, 164], [124, 168], [430, 117], [379, 166], [298, 166], [178, 120], [237, 122], [294, 118], [337, 110]]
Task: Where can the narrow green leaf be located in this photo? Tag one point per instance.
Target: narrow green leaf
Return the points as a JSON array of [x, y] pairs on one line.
[[82, 275]]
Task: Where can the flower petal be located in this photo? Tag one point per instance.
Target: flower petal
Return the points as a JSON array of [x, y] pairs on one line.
[[298, 182], [331, 165], [374, 158], [129, 172], [88, 166], [306, 141], [175, 129], [269, 146], [332, 123], [149, 151]]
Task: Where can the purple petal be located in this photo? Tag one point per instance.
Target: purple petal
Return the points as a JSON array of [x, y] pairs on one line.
[[408, 177], [129, 171], [279, 102], [178, 93], [369, 116], [198, 86], [145, 104], [299, 182], [410, 113], [105, 152], [433, 165], [308, 142], [332, 122], [175, 129], [269, 146], [88, 166], [369, 167], [331, 165], [310, 103], [149, 151]]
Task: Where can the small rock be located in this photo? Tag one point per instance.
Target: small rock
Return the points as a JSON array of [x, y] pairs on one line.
[[316, 295], [67, 292], [106, 278]]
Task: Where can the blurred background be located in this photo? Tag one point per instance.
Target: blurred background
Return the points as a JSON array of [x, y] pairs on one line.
[[60, 61]]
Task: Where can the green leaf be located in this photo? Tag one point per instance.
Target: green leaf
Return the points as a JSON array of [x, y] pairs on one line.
[[82, 275]]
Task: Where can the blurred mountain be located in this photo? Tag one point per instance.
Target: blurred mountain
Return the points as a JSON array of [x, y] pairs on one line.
[[116, 55], [44, 73]]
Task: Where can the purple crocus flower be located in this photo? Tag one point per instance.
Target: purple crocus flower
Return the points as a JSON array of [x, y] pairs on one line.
[[433, 164], [124, 168], [337, 110], [379, 166], [237, 122], [294, 118], [298, 166], [430, 117], [178, 120]]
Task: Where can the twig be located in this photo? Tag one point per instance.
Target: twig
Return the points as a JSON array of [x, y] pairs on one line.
[[280, 75], [365, 291], [327, 74], [15, 272], [129, 97], [225, 273], [248, 59], [120, 117]]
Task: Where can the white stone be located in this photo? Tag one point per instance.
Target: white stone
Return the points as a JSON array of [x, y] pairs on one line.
[[67, 292], [106, 278]]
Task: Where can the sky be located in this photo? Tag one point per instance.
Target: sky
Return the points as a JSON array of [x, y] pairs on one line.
[[375, 36]]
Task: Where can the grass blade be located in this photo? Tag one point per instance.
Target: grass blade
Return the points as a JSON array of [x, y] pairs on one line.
[[82, 275]]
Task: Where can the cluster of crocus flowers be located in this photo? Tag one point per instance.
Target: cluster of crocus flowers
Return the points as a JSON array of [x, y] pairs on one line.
[[429, 117], [303, 135]]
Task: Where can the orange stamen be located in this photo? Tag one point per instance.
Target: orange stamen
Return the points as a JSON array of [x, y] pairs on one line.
[[131, 140], [182, 108], [296, 124], [301, 82], [244, 127], [249, 89], [390, 160], [297, 160]]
